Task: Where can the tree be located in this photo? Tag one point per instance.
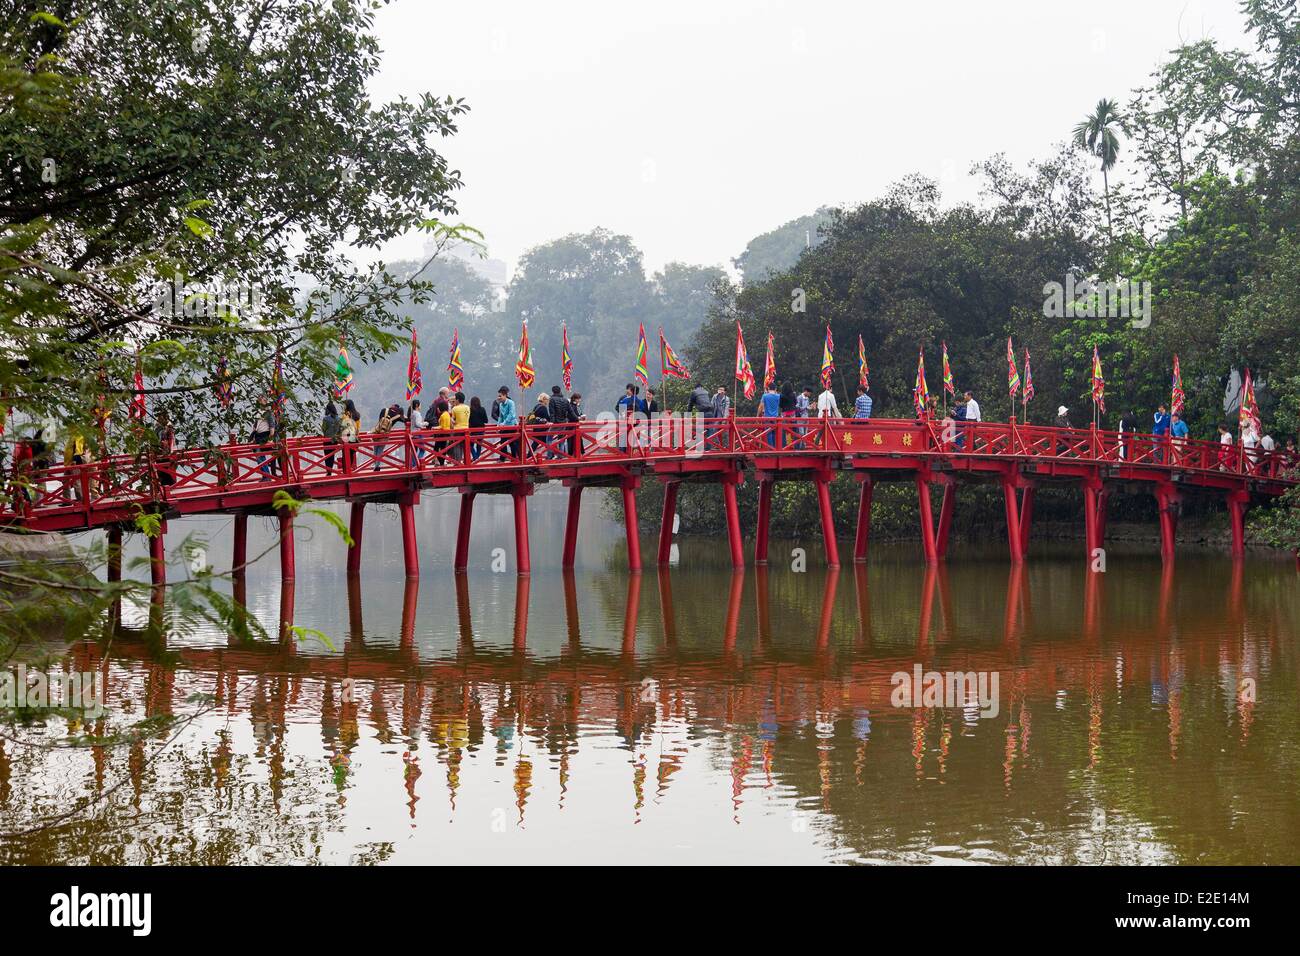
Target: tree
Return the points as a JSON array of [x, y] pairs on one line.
[[1098, 135], [779, 249]]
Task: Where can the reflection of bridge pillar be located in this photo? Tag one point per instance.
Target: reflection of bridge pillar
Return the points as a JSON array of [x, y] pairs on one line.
[[863, 537], [666, 521], [666, 615], [828, 610], [523, 556], [355, 526], [828, 519], [630, 611], [463, 619], [927, 518], [1026, 516], [239, 550], [571, 526], [733, 607], [288, 568], [762, 606], [629, 486], [1237, 503], [410, 548], [864, 606], [764, 520], [521, 606], [734, 538], [462, 531], [410, 598], [946, 509]]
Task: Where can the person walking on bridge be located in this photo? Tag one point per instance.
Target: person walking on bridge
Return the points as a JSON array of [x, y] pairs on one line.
[[1178, 434], [506, 418], [1160, 425], [826, 410], [769, 406], [562, 418], [478, 419], [721, 410], [331, 427], [862, 404]]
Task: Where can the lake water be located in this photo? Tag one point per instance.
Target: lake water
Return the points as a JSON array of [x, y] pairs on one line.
[[686, 716]]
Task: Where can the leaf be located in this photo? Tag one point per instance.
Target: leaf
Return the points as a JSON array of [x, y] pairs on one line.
[[200, 228]]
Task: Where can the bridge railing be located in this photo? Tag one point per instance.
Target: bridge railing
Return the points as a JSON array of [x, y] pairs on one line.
[[150, 477]]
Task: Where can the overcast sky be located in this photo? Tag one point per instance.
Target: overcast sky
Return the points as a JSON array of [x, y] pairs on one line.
[[694, 126]]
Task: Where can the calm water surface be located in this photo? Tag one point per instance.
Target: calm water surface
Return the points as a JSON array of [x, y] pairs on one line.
[[688, 716]]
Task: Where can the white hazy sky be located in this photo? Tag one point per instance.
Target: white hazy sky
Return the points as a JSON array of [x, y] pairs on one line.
[[694, 126]]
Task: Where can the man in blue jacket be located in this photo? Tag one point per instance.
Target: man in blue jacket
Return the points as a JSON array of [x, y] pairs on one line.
[[1160, 428]]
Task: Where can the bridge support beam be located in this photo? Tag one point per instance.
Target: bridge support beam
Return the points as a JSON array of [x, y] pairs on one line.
[[461, 561], [862, 539], [571, 527], [1167, 498], [666, 521], [734, 537], [239, 550], [1026, 517], [927, 519], [523, 555], [356, 525], [288, 568], [828, 520], [114, 553], [410, 548], [1013, 520], [629, 486], [158, 558], [761, 533], [1238, 501], [946, 509]]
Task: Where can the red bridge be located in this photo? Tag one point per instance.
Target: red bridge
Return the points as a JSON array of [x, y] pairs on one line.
[[244, 479]]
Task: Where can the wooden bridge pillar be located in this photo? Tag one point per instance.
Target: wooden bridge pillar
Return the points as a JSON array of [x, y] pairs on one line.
[[862, 539], [571, 527], [466, 519], [1238, 501], [946, 509], [629, 486], [828, 520], [158, 558], [734, 537], [765, 486], [114, 553], [1013, 520], [666, 521], [288, 569], [1167, 498], [927, 518], [1026, 517], [356, 525], [523, 556], [239, 550], [410, 547]]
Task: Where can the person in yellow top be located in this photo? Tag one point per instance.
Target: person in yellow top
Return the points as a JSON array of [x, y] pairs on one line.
[[460, 422], [444, 430]]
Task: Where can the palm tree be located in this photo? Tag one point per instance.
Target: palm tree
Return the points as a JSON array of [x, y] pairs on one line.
[[1097, 134]]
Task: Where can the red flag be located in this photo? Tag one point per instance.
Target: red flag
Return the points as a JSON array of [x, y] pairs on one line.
[[744, 372], [1178, 399], [828, 359], [1029, 380], [524, 367], [669, 363], [1098, 381], [1013, 377], [566, 360], [139, 407], [769, 367], [415, 378]]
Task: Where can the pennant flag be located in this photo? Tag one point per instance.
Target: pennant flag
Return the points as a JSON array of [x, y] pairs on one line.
[[524, 367], [769, 366], [920, 392], [455, 370], [342, 372], [224, 387], [828, 359], [744, 372], [1098, 381], [1178, 398], [415, 377], [1029, 380], [1249, 414], [139, 407], [641, 371], [863, 371], [948, 385], [1013, 377], [566, 360], [669, 363]]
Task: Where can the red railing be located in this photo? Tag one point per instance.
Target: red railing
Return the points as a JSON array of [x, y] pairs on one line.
[[186, 475]]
